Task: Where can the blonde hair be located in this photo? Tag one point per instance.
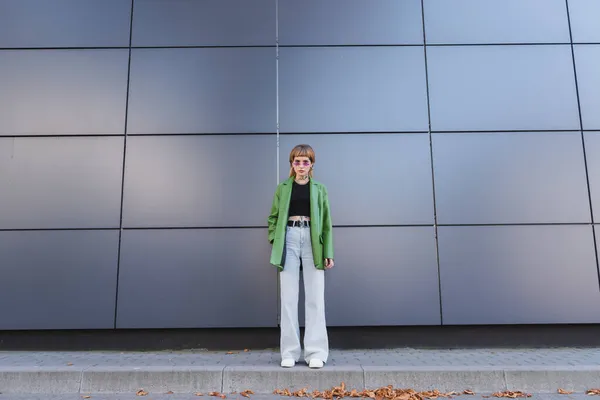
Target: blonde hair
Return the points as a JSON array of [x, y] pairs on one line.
[[302, 150]]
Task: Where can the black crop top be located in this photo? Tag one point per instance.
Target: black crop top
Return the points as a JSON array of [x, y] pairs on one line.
[[300, 201]]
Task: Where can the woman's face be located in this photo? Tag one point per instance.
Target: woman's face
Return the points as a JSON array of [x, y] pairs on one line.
[[301, 165]]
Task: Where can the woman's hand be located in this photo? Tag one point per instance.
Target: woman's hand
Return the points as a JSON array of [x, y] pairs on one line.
[[328, 263]]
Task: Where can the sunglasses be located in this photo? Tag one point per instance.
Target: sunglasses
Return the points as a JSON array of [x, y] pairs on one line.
[[304, 163]]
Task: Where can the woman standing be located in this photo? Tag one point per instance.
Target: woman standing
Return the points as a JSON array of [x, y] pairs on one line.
[[300, 230]]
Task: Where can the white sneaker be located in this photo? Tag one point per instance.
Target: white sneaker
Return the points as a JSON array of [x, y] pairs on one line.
[[288, 363], [315, 363]]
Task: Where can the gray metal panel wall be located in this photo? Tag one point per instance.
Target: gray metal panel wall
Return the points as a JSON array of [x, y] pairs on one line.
[[57, 183], [196, 181], [64, 23], [502, 88], [592, 149], [532, 177], [60, 92], [309, 22], [58, 279], [584, 20], [486, 22], [204, 23], [181, 138], [217, 90], [195, 279], [352, 89], [395, 271], [587, 61], [518, 274]]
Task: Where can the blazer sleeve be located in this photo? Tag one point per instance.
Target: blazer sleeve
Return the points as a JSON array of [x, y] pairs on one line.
[[273, 216], [327, 227]]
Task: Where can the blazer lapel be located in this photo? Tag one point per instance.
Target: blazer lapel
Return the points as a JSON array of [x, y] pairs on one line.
[[286, 195]]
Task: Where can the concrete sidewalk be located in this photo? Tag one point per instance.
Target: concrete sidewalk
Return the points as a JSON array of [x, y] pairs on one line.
[[479, 370]]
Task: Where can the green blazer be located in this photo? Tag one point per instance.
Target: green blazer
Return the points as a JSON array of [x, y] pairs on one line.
[[321, 235]]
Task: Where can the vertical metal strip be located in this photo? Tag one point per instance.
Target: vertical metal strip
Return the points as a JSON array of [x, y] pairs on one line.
[[123, 166], [435, 223], [277, 80]]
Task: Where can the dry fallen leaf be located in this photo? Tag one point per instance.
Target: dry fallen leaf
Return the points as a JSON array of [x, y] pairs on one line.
[[247, 393], [69, 364], [87, 397], [563, 391], [141, 392], [511, 394], [198, 394], [232, 352], [301, 393], [593, 392], [383, 393], [246, 350]]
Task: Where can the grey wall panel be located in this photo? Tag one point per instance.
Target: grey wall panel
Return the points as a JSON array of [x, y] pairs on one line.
[[64, 23], [359, 89], [60, 182], [63, 91], [350, 22], [58, 279], [518, 275], [202, 90], [587, 62], [196, 279], [393, 272], [502, 88], [372, 179], [494, 21], [584, 15], [176, 181], [592, 149], [499, 178], [204, 23]]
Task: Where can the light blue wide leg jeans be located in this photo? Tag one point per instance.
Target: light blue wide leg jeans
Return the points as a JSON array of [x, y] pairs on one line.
[[316, 342]]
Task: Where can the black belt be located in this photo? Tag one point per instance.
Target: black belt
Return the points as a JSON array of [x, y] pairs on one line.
[[299, 223]]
